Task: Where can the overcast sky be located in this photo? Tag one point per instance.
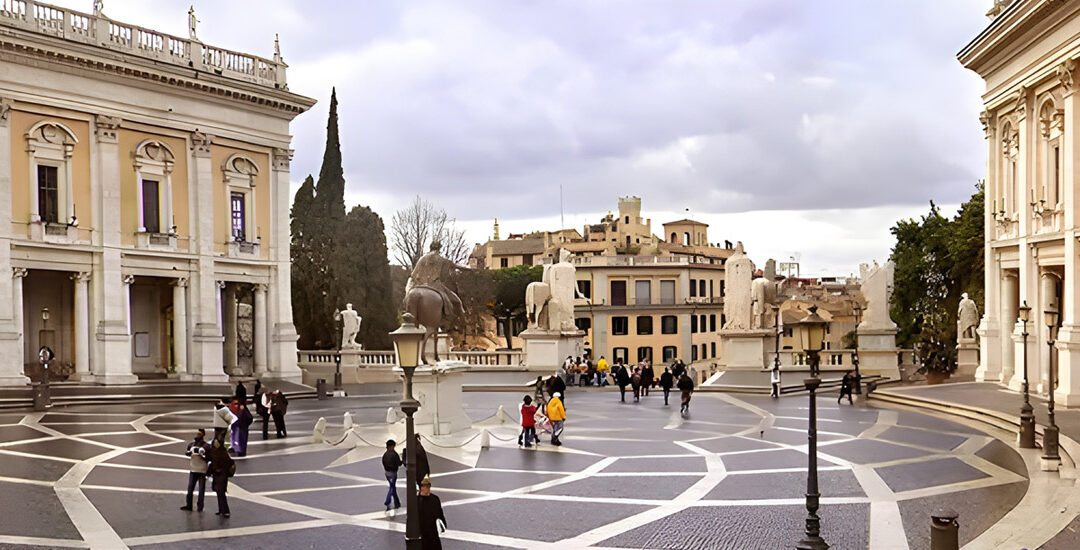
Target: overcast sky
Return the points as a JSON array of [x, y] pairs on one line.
[[804, 129]]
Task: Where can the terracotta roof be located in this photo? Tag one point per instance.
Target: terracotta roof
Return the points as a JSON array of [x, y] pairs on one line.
[[516, 246], [686, 222]]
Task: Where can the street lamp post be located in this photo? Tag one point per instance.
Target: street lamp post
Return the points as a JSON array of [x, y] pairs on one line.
[[855, 356], [812, 335], [1050, 434], [1027, 414], [407, 339]]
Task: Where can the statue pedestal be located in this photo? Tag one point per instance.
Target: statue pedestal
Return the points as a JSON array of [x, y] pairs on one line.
[[967, 356], [877, 352], [438, 389], [441, 343], [547, 350], [747, 349]]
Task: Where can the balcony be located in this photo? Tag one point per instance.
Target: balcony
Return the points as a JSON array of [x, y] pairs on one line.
[[245, 250], [165, 242], [54, 233]]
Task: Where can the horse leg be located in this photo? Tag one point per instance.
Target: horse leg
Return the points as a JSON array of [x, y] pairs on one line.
[[435, 331], [423, 349]]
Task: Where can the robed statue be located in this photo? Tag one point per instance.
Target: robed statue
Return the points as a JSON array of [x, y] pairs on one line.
[[350, 326], [967, 317], [429, 294]]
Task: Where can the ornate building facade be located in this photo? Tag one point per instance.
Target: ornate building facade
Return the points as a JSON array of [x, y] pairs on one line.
[[146, 180], [1028, 58]]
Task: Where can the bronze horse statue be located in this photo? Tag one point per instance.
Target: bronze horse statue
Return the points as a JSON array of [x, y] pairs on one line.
[[426, 306]]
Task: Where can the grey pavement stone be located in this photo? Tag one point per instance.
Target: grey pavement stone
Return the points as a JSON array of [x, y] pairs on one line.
[[621, 447], [314, 460], [628, 487], [127, 513], [16, 433], [335, 537], [790, 437], [1067, 539], [914, 419], [109, 476], [490, 481], [359, 500], [844, 526], [783, 458], [831, 483], [923, 438], [36, 512], [546, 460], [931, 473], [1004, 456], [667, 464], [76, 429], [51, 417], [136, 458], [75, 450], [127, 440], [868, 451], [25, 467], [734, 444], [284, 482], [978, 509]]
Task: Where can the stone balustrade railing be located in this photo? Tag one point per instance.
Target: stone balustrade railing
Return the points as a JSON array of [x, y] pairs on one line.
[[98, 30], [376, 359]]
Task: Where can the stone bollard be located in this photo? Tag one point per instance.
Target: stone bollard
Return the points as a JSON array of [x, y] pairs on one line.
[[320, 429], [501, 415], [348, 421], [391, 415], [944, 530], [485, 440], [320, 389]]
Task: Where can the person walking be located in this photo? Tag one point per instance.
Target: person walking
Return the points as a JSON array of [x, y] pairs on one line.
[[622, 379], [241, 391], [422, 467], [196, 451], [686, 386], [667, 381], [221, 468], [262, 408], [635, 383], [241, 429], [538, 392], [432, 519], [391, 463], [846, 385], [647, 377], [278, 407], [558, 387], [223, 420], [603, 369], [774, 379], [556, 413], [528, 423]]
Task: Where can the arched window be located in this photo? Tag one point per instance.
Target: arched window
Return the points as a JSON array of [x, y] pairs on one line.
[[154, 163], [686, 238], [50, 146], [1051, 126], [241, 174], [1010, 145], [674, 237]]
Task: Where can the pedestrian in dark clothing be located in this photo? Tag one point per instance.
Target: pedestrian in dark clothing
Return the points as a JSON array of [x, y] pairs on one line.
[[196, 450], [262, 408], [242, 427], [846, 384], [774, 380], [241, 391], [667, 381], [635, 383], [686, 386], [221, 469], [422, 467], [677, 369], [391, 462], [538, 395], [278, 406], [432, 519], [622, 379], [557, 386], [647, 376]]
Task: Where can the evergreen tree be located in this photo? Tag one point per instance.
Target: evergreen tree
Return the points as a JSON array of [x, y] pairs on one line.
[[302, 265], [508, 302], [362, 276]]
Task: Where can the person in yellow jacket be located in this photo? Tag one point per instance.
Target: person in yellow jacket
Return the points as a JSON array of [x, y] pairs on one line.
[[557, 415], [602, 370]]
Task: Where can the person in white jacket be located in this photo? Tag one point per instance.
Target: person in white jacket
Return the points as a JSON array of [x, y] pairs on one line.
[[223, 421]]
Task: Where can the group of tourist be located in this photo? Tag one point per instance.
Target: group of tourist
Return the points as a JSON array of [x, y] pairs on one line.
[[429, 507], [231, 422]]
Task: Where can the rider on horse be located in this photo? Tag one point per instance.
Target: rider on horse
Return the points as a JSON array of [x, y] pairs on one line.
[[434, 271]]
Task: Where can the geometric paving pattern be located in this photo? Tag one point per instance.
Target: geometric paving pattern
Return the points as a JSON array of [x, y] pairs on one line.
[[630, 475]]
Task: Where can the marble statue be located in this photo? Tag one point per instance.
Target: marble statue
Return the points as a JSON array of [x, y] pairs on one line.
[[549, 303], [738, 297], [770, 270], [537, 302], [350, 326], [428, 298], [967, 317], [760, 300], [192, 22], [876, 286]]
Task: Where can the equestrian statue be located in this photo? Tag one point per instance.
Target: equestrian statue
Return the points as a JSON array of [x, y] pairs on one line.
[[430, 299]]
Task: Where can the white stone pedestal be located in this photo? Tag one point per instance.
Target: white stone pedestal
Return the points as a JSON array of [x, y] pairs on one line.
[[747, 349], [878, 354], [438, 389], [547, 350], [967, 356], [442, 343], [989, 351]]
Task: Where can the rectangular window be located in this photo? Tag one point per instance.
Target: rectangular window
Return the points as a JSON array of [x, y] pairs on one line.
[[618, 293], [644, 324], [693, 324], [667, 292], [703, 356], [644, 354], [669, 324], [620, 326], [642, 293], [711, 288], [620, 353], [693, 288], [583, 323], [239, 217], [702, 327], [151, 209], [585, 288], [722, 288], [1057, 175], [670, 353], [504, 262], [712, 322], [712, 349], [701, 288], [48, 195], [723, 320], [693, 353]]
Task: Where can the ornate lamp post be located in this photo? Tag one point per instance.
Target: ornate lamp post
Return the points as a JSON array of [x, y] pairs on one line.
[[855, 356], [1027, 416], [407, 339], [812, 335], [1050, 434], [776, 325]]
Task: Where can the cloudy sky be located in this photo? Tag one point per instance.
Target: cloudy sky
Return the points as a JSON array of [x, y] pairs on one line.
[[804, 129]]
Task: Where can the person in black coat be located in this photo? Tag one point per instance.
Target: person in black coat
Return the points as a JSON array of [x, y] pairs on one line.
[[647, 376], [262, 408], [558, 386], [221, 468], [422, 467], [622, 379], [241, 391], [846, 385], [686, 386], [667, 381], [429, 508]]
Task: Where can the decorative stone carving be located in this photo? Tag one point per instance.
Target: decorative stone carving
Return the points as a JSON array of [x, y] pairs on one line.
[[350, 326], [180, 282], [1066, 73], [282, 159], [1020, 103], [192, 23], [877, 287], [5, 111], [128, 279], [18, 272], [200, 143], [967, 317], [986, 119], [81, 277], [105, 128], [737, 282]]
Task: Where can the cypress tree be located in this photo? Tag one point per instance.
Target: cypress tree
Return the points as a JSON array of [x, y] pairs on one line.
[[302, 266]]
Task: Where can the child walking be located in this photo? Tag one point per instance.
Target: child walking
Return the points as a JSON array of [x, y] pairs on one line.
[[528, 423]]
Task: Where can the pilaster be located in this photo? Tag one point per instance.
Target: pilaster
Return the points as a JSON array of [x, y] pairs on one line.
[[206, 359], [260, 332], [1068, 341], [82, 325], [11, 350], [180, 326], [12, 366], [281, 342]]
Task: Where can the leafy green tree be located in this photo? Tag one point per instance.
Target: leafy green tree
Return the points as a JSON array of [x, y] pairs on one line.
[[476, 288], [508, 301], [303, 267]]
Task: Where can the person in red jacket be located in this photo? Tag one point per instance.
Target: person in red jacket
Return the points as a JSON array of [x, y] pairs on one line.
[[528, 422]]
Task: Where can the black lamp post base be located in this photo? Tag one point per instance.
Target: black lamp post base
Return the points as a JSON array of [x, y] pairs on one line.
[[812, 543], [1027, 427], [1050, 444]]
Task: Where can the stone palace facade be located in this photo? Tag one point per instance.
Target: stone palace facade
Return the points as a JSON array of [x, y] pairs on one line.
[[1028, 56], [146, 179]]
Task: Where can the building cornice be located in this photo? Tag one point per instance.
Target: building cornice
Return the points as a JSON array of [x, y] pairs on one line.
[[1011, 24]]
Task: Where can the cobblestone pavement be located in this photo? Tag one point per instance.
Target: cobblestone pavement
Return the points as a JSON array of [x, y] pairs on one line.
[[630, 475]]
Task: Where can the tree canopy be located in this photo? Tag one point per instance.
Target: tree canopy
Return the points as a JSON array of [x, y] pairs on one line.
[[416, 226]]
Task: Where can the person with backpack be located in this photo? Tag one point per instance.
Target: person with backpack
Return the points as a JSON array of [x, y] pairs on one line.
[[528, 423], [686, 386], [278, 406], [667, 381], [221, 468]]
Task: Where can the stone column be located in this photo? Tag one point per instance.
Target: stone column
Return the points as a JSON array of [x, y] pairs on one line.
[[11, 349], [82, 325], [12, 354], [259, 332], [1048, 282], [1009, 305], [281, 344], [990, 341], [228, 313], [180, 339], [1068, 342], [206, 359]]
